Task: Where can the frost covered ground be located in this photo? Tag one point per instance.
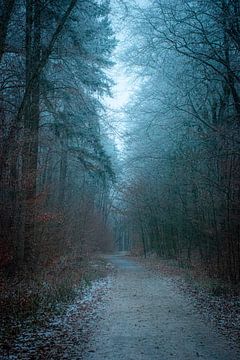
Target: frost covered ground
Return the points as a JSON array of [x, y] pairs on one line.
[[221, 309], [64, 336], [147, 317], [134, 313]]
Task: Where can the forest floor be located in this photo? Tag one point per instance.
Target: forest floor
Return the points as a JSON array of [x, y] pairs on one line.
[[133, 309], [217, 302], [147, 316], [39, 323]]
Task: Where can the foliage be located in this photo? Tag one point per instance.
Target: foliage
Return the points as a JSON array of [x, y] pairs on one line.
[[55, 171]]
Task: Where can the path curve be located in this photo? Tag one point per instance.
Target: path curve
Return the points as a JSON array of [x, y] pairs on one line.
[[146, 318]]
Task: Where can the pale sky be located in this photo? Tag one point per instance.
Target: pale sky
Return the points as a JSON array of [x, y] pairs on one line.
[[125, 83], [121, 93]]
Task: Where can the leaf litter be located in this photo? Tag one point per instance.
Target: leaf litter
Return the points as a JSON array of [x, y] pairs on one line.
[[62, 336]]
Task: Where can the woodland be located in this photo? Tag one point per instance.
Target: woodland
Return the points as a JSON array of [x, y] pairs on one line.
[[159, 175], [182, 191], [55, 170]]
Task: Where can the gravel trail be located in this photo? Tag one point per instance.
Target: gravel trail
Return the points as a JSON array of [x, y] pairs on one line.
[[145, 317]]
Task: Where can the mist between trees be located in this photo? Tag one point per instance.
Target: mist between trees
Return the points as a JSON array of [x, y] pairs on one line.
[[179, 191], [55, 171]]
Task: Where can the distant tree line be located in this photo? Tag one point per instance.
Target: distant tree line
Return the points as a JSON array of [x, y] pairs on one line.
[[55, 171], [183, 200]]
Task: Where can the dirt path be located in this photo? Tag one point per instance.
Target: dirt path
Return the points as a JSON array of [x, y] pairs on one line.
[[146, 317]]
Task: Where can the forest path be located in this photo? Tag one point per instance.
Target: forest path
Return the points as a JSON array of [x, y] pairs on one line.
[[146, 317]]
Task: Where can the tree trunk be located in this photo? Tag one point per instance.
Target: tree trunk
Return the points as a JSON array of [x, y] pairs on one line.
[[4, 21], [62, 174], [31, 127]]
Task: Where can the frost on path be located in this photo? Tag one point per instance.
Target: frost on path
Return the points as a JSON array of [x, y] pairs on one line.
[[65, 336], [147, 317]]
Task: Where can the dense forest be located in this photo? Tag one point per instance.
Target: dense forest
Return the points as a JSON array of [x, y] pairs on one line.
[[119, 159], [56, 173], [181, 193], [174, 190]]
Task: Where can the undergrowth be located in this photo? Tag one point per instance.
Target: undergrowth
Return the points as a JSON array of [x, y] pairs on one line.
[[33, 299], [194, 274]]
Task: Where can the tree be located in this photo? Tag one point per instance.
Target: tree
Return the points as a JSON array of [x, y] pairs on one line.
[[187, 111], [51, 147]]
